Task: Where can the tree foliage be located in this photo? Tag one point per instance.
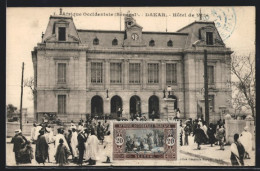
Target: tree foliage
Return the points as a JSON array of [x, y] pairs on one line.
[[29, 82], [244, 84], [11, 109]]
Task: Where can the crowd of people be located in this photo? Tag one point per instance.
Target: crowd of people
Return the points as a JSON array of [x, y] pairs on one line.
[[215, 134], [80, 142]]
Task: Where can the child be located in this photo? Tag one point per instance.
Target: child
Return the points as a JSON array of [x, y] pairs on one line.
[[62, 153]]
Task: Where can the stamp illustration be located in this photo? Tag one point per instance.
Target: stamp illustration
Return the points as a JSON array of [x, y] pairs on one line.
[[145, 141]]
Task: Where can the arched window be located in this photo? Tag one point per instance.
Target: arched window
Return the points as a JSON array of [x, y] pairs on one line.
[[116, 105], [169, 43], [96, 41], [151, 43], [154, 111], [115, 42], [96, 106]]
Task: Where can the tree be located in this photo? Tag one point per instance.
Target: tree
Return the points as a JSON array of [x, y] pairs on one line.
[[243, 68], [11, 109], [29, 82]]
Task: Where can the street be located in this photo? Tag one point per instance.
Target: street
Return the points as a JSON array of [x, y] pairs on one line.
[[189, 156]]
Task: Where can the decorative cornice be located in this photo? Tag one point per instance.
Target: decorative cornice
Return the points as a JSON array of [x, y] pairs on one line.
[[61, 58], [76, 57], [109, 51]]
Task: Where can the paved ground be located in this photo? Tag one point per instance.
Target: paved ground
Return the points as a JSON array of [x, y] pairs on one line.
[[189, 156]]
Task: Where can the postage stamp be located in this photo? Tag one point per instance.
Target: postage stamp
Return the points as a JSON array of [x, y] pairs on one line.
[[145, 140]]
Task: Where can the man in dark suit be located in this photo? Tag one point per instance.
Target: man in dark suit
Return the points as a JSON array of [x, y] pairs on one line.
[[81, 145]]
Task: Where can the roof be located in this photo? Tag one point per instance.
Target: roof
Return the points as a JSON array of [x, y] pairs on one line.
[[107, 36], [196, 22]]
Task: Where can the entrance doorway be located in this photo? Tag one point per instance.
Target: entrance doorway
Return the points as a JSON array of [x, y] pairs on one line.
[[135, 105], [96, 106], [154, 107], [116, 103]]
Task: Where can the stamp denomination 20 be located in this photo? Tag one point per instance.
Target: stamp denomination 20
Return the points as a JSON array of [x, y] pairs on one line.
[[145, 140]]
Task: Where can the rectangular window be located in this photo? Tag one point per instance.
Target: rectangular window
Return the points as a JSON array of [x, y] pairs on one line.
[[134, 73], [210, 75], [96, 72], [209, 38], [61, 73], [171, 73], [153, 73], [115, 73], [62, 104], [211, 103], [62, 33]]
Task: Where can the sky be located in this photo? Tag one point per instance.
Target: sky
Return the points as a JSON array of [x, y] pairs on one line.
[[25, 26]]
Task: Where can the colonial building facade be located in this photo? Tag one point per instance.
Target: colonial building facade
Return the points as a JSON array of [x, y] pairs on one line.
[[79, 72]]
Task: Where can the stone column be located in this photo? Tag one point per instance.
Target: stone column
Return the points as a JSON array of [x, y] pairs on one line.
[[107, 74], [144, 74], [163, 74], [125, 73], [88, 75]]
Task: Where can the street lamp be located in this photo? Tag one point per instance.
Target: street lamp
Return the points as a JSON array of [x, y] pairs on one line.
[[164, 97], [107, 95], [169, 89]]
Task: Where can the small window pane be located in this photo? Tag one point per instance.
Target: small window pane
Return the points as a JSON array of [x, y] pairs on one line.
[[115, 73], [153, 73], [61, 73], [62, 33], [62, 104], [171, 74], [96, 72], [210, 74], [209, 38], [134, 73]]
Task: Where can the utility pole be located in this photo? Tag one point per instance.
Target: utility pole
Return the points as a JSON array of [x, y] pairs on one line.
[[120, 18], [21, 100], [206, 87]]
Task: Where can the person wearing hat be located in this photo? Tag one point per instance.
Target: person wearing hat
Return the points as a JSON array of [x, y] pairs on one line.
[[41, 150], [18, 142], [246, 141], [81, 145]]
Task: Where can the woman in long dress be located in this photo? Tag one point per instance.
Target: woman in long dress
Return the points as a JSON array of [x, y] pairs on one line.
[[200, 136], [42, 147]]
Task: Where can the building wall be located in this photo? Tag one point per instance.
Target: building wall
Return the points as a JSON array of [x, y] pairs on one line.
[[78, 51]]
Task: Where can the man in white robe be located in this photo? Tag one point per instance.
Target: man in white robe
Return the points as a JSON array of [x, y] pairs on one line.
[[246, 141], [92, 148], [74, 142]]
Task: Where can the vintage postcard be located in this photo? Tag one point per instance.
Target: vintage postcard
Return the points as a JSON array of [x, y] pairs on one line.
[[130, 86]]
